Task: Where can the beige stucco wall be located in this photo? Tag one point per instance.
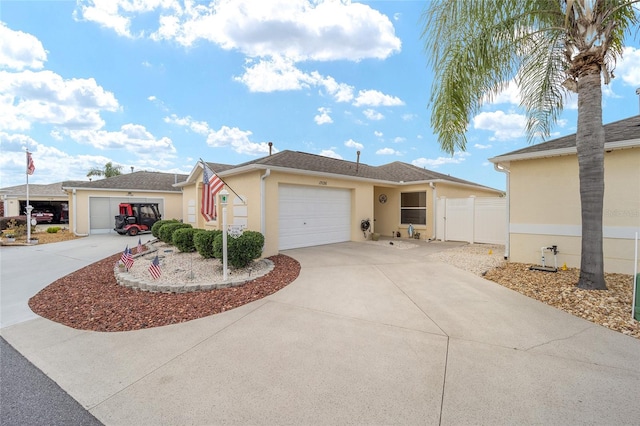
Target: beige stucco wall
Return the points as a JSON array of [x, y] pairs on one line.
[[545, 209], [79, 205], [387, 215], [249, 187], [361, 203]]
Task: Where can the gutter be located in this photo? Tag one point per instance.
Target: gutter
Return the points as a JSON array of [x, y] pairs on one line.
[[263, 201], [502, 168], [435, 209]]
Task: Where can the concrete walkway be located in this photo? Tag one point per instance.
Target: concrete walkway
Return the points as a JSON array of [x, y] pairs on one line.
[[367, 334]]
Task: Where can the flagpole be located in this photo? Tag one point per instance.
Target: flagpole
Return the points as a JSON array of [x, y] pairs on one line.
[[227, 185], [28, 209]]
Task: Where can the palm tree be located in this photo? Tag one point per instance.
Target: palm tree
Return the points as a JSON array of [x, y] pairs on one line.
[[545, 47], [109, 171]]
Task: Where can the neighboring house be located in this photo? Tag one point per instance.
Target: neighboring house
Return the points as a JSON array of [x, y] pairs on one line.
[[49, 197], [94, 205], [544, 198], [298, 199]]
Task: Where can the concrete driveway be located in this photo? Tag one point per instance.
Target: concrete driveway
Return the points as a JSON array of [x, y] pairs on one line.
[[367, 334]]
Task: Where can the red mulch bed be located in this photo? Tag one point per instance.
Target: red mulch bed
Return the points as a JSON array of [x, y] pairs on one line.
[[91, 299]]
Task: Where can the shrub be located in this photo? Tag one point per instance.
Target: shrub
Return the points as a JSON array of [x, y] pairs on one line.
[[203, 242], [12, 222], [167, 230], [183, 239], [241, 250], [53, 229], [155, 228]]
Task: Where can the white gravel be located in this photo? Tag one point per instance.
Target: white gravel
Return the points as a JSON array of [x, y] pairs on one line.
[[475, 258], [180, 269]]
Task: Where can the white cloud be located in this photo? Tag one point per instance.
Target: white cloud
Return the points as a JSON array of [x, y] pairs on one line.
[[457, 158], [353, 144], [200, 127], [45, 97], [376, 98], [409, 117], [236, 139], [399, 139], [275, 74], [55, 134], [341, 92], [372, 114], [118, 15], [480, 146], [279, 74], [19, 50], [323, 117], [504, 126], [509, 95], [378, 134], [300, 30], [330, 153], [628, 68], [131, 137], [225, 137], [49, 161], [388, 151]]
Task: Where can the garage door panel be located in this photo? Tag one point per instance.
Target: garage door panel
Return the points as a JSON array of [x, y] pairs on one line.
[[313, 216], [102, 211]]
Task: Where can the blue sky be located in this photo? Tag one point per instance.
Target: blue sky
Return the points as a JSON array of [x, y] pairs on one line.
[[157, 84]]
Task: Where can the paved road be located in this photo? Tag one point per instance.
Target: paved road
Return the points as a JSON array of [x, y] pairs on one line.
[[367, 334], [29, 397]]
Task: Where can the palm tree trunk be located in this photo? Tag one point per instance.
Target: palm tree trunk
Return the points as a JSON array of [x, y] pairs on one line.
[[590, 147]]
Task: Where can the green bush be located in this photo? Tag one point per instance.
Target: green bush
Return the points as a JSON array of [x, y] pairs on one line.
[[167, 230], [155, 228], [12, 222], [241, 250], [203, 241], [53, 229], [183, 239]]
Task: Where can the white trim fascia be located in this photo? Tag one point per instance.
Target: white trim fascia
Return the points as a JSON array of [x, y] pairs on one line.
[[82, 188], [288, 170], [615, 232], [609, 146]]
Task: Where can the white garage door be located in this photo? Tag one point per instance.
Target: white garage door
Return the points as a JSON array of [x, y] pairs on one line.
[[313, 216]]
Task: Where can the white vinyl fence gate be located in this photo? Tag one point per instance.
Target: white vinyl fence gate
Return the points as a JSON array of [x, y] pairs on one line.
[[473, 219]]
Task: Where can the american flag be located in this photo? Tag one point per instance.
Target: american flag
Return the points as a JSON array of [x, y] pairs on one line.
[[30, 166], [212, 184], [154, 268], [127, 258], [139, 250]]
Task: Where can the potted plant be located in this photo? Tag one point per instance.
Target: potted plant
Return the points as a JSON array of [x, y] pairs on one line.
[[34, 240], [9, 238]]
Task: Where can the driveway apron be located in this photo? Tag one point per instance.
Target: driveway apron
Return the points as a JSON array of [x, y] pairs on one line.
[[367, 334]]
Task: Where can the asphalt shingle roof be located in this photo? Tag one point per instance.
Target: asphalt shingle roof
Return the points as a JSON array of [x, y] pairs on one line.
[[140, 181], [36, 190], [622, 130], [392, 172]]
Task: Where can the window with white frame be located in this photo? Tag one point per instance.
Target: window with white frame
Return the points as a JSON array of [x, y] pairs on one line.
[[413, 208]]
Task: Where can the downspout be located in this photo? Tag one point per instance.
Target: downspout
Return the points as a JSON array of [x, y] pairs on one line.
[[503, 169], [75, 217], [263, 201], [435, 209]]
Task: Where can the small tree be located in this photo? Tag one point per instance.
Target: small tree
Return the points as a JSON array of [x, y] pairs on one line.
[[109, 171]]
